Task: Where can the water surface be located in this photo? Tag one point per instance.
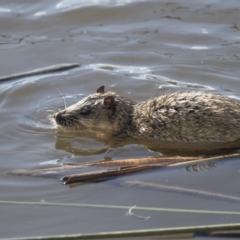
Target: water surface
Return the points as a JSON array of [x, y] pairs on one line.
[[137, 48]]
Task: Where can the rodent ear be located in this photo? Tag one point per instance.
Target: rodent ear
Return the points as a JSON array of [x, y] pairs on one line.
[[101, 89], [109, 101]]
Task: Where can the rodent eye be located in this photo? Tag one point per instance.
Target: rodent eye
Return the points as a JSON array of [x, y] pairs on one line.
[[85, 112]]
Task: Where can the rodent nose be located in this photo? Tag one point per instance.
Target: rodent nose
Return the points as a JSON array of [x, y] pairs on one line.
[[58, 117]]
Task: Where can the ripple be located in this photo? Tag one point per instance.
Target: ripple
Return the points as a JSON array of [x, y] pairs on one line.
[[10, 41], [199, 47], [5, 10], [173, 83], [40, 13], [40, 120], [74, 4], [118, 68], [200, 167], [58, 161]]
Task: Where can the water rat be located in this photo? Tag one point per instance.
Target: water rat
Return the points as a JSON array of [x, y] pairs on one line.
[[174, 117]]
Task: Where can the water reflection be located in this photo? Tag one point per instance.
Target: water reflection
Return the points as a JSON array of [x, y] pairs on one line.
[[118, 68], [146, 73], [5, 10], [199, 47], [168, 82], [204, 31], [74, 4], [81, 143], [40, 13], [89, 143]]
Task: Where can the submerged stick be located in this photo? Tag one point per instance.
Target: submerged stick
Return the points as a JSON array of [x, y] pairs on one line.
[[106, 174], [141, 162], [45, 70], [126, 162], [138, 166], [182, 190]]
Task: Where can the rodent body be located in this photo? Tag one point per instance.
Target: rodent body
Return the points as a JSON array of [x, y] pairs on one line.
[[173, 117]]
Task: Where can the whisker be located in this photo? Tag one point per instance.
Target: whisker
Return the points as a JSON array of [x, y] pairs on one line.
[[64, 102]]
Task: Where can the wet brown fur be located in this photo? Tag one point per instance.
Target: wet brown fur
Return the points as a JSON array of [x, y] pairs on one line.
[[173, 117]]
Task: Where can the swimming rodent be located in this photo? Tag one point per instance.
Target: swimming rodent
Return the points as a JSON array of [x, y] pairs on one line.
[[174, 117]]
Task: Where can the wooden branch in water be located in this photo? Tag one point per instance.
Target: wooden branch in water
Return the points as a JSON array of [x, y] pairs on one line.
[[129, 166], [55, 68], [140, 161], [126, 162], [106, 174]]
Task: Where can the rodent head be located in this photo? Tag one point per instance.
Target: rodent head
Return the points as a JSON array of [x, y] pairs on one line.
[[107, 111]]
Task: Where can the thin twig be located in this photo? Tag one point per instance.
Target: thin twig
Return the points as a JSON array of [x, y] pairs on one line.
[[182, 190], [45, 70], [134, 165], [106, 174], [126, 162]]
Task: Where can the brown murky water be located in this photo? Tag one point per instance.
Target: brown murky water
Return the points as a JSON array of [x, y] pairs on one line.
[[139, 49]]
